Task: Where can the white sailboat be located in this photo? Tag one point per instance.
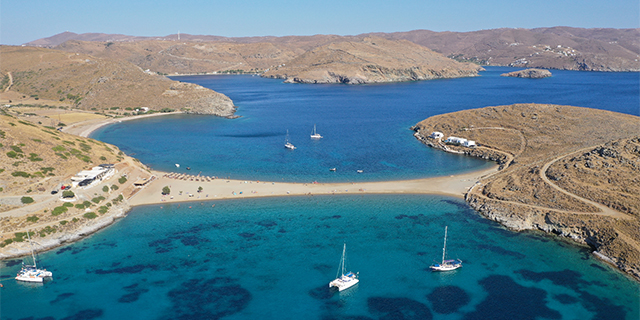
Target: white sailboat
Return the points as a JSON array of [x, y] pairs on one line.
[[31, 273], [288, 144], [344, 280], [446, 265], [314, 134]]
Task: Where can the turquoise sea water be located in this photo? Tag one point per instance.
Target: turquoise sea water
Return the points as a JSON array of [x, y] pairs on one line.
[[273, 258]]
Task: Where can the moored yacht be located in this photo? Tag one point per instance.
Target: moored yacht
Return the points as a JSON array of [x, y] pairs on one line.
[[31, 273], [344, 280]]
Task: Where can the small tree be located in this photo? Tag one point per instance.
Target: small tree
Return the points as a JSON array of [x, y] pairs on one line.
[[199, 189], [26, 200], [105, 189], [68, 194], [166, 190]]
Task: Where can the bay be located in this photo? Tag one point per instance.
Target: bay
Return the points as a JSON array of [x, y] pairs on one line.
[[273, 258]]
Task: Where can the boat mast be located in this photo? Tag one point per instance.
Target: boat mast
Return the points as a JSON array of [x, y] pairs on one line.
[[445, 243], [33, 256]]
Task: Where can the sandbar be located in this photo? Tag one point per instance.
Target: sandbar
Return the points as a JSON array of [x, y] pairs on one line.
[[186, 189]]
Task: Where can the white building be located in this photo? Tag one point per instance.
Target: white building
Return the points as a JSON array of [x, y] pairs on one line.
[[436, 135], [456, 140], [469, 144], [88, 177]]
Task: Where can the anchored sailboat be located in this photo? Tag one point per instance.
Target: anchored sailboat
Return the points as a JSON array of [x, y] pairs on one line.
[[31, 273], [446, 265], [314, 134], [288, 144], [344, 280]]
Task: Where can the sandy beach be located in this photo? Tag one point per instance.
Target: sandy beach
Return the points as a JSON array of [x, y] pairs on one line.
[[186, 188]]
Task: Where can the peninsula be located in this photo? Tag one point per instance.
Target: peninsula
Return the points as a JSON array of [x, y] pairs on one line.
[[570, 171]]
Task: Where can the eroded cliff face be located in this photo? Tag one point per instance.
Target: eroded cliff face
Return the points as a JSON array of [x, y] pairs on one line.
[[573, 172]]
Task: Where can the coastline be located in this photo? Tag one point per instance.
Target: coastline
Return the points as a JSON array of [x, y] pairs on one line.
[[219, 189], [85, 128]]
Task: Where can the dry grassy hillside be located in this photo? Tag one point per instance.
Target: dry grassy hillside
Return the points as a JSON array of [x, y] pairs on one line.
[[567, 170], [97, 84], [37, 160], [173, 57], [370, 60]]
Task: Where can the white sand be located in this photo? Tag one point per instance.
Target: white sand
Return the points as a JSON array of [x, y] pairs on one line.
[[187, 190]]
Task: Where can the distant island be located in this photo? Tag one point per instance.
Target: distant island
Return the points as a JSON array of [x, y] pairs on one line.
[[565, 170], [529, 73]]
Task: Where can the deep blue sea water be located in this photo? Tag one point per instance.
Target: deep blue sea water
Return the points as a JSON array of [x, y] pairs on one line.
[[273, 258]]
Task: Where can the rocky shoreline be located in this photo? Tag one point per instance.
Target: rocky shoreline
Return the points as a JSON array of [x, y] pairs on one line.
[[59, 239], [598, 231]]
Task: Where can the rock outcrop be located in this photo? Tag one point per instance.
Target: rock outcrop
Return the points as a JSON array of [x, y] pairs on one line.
[[529, 73]]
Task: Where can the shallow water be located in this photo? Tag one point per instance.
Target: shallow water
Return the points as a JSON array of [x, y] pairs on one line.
[[273, 258]]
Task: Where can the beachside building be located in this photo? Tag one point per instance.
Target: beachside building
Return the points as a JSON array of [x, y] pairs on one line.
[[86, 178], [436, 135], [456, 140], [469, 144]]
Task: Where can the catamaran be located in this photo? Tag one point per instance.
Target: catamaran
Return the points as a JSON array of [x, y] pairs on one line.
[[446, 265], [288, 144], [31, 273], [314, 134], [344, 280]]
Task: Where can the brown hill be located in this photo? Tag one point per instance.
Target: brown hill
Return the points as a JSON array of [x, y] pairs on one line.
[[92, 83], [370, 60], [566, 170], [549, 48]]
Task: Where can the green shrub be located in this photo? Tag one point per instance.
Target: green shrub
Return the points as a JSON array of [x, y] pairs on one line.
[[12, 154], [58, 210], [87, 204], [68, 204], [166, 190], [114, 187], [105, 189], [63, 222], [68, 194], [20, 174], [17, 149], [32, 219], [103, 158], [26, 200], [122, 180], [90, 215], [103, 210], [79, 206], [97, 200]]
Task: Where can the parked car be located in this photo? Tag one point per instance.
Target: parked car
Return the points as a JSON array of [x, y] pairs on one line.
[[54, 191]]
